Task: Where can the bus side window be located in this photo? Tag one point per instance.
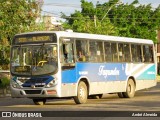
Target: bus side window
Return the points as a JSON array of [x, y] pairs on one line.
[[107, 48], [148, 53], [81, 50], [100, 54], [139, 53], [136, 53], [121, 52], [127, 53], [93, 51], [151, 53], [114, 52]]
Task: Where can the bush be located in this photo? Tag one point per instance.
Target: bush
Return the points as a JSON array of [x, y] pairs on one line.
[[4, 80]]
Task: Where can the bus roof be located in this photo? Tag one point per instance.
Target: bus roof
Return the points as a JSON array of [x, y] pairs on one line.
[[94, 36]]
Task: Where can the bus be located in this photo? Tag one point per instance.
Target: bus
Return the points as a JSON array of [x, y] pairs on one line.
[[65, 64]]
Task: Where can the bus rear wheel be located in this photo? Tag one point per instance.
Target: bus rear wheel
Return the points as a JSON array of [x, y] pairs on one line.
[[39, 101], [130, 90], [82, 93]]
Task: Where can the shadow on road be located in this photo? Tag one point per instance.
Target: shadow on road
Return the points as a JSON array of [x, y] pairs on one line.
[[143, 100]]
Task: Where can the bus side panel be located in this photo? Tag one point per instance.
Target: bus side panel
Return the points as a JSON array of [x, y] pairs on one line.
[[113, 77], [108, 77], [103, 77], [68, 86], [145, 76]]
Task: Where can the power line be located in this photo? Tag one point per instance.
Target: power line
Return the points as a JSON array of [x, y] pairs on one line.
[[58, 15], [54, 14], [79, 6], [62, 5], [129, 14]]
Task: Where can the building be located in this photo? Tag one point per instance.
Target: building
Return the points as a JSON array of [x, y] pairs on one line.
[[158, 51], [51, 23]]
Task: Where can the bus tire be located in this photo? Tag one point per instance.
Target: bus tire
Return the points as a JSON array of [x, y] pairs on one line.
[[82, 93], [130, 90], [100, 96], [39, 101], [121, 95]]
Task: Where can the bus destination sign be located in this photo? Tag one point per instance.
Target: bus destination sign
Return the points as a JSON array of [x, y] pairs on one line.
[[33, 39]]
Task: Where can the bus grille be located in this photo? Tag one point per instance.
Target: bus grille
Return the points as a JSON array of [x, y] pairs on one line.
[[33, 91], [38, 82]]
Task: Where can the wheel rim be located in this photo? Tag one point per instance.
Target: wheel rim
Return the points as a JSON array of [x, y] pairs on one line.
[[129, 88], [82, 93]]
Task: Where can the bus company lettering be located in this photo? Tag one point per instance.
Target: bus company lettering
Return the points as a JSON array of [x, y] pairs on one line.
[[106, 72], [83, 72]]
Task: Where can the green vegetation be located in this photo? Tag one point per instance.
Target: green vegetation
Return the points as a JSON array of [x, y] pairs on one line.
[[4, 83], [16, 16], [115, 18], [87, 20]]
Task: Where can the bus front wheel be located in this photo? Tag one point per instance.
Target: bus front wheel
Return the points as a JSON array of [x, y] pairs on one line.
[[82, 93], [39, 101], [130, 90]]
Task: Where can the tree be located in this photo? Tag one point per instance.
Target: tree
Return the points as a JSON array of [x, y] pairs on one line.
[[4, 82], [87, 21], [16, 16], [135, 20], [127, 20]]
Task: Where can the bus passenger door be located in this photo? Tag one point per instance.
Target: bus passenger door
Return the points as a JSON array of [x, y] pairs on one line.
[[68, 69], [67, 54]]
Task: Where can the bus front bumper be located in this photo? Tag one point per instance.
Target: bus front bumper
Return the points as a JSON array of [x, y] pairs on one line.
[[34, 93]]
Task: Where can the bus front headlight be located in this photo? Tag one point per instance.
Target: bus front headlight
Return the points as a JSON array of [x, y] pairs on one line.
[[52, 83], [15, 84]]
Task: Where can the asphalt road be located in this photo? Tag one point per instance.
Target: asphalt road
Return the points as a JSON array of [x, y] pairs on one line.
[[147, 100]]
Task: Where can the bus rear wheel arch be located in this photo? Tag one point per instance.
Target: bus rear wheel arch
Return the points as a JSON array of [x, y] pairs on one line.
[[82, 93]]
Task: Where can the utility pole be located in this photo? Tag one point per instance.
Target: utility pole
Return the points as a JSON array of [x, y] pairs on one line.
[[118, 3], [95, 22]]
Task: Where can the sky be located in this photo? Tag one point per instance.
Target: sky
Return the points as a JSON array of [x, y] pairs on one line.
[[55, 7]]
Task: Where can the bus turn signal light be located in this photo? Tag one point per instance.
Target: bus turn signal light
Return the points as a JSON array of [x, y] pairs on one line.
[[51, 92]]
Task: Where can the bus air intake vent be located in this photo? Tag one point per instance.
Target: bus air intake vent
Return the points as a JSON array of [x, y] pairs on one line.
[[33, 91]]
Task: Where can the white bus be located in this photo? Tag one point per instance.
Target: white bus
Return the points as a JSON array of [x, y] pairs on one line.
[[60, 64]]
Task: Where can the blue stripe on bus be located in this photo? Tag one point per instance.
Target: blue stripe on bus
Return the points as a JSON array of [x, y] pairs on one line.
[[69, 76]]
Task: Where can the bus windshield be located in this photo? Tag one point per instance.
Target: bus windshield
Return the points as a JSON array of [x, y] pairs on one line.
[[34, 60]]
